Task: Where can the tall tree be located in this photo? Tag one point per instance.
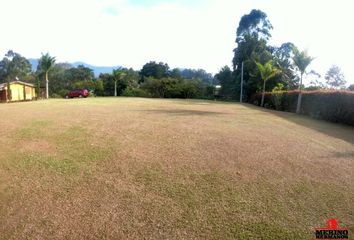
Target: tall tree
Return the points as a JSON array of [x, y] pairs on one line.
[[335, 77], [283, 59], [128, 78], [254, 24], [46, 62], [302, 60], [118, 75], [60, 78], [227, 82], [246, 52], [13, 66], [80, 73], [267, 72], [108, 83], [197, 74], [155, 70], [131, 79], [252, 35], [176, 73]]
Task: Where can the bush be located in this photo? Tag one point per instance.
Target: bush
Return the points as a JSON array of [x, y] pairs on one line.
[[176, 88], [55, 95], [63, 92], [277, 96], [334, 106], [92, 93], [135, 92]]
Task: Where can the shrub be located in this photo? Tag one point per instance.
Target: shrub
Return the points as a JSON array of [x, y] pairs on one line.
[[92, 94], [55, 95], [135, 92], [176, 88], [334, 106], [277, 95], [62, 92]]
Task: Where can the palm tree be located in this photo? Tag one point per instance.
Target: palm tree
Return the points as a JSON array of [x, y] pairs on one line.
[[301, 60], [118, 74], [46, 62], [267, 71]]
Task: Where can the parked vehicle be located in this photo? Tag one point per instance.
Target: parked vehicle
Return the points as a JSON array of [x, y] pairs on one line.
[[78, 93]]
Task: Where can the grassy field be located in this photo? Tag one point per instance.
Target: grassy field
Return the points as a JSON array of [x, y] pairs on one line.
[[130, 168]]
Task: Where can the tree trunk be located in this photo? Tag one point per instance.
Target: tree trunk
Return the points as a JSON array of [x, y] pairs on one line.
[[46, 85], [298, 107], [263, 93], [115, 88]]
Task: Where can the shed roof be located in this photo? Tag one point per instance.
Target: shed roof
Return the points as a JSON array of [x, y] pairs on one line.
[[23, 83], [3, 85]]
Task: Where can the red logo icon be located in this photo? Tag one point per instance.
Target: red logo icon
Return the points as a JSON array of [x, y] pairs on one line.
[[332, 231]]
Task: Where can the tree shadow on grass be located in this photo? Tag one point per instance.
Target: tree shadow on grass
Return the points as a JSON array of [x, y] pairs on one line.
[[182, 112], [336, 130], [344, 155], [202, 102], [191, 102]]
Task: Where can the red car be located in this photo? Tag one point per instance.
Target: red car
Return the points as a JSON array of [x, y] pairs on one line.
[[77, 93]]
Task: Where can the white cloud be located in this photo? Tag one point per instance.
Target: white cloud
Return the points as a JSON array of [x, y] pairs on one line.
[[116, 32]]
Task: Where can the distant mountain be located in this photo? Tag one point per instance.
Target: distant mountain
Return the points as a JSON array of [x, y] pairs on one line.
[[96, 69]]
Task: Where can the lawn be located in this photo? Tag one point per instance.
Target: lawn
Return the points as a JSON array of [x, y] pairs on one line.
[[131, 168]]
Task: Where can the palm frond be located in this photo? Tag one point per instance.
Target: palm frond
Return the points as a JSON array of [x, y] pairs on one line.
[[46, 62], [302, 59], [268, 70]]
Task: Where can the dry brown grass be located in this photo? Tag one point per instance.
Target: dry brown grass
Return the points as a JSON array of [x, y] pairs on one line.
[[125, 168]]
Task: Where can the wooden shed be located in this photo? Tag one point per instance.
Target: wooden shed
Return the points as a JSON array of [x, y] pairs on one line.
[[17, 91]]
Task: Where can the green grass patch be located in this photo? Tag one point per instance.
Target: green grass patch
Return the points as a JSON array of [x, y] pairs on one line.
[[35, 129], [209, 202], [31, 161], [70, 149], [215, 202]]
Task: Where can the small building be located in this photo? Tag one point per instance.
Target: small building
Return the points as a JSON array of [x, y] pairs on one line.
[[18, 91], [217, 91]]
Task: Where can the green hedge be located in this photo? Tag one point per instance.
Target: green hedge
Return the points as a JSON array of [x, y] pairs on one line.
[[334, 106]]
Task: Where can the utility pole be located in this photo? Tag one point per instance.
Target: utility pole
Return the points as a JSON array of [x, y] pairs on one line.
[[115, 87], [241, 94]]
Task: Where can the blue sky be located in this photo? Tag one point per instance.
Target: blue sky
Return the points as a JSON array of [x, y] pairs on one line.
[[194, 34], [147, 3]]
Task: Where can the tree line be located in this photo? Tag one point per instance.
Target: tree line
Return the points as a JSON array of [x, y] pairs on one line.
[[155, 79], [267, 67]]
